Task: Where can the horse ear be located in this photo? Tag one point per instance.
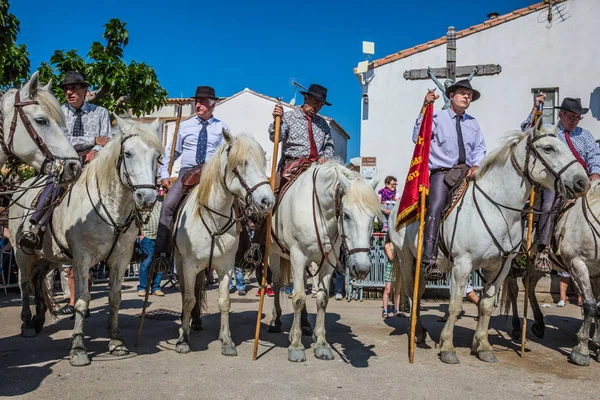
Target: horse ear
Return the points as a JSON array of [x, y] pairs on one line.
[[124, 126], [31, 87], [539, 127], [227, 136], [553, 129], [374, 181], [155, 125], [48, 86]]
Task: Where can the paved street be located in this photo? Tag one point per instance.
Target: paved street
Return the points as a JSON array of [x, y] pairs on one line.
[[371, 356]]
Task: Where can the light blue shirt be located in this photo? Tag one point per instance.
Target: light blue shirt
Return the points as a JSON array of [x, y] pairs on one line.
[[187, 143], [443, 152]]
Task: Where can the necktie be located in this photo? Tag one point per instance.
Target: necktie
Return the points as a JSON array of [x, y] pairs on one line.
[[462, 156], [574, 151], [202, 141], [314, 153], [78, 125]]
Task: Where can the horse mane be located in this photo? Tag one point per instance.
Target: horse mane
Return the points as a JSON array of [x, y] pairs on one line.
[[500, 155], [243, 148], [593, 195], [49, 105], [359, 193], [104, 166]]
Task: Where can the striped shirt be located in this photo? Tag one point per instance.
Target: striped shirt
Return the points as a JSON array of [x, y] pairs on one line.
[[583, 141], [150, 228]]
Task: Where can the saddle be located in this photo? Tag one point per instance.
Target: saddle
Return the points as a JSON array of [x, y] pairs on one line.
[[290, 172], [191, 178], [456, 179]]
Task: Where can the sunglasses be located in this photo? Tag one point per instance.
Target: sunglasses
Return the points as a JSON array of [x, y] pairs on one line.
[[574, 118]]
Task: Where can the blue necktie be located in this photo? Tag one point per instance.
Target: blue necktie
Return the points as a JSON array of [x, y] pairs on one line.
[[202, 141]]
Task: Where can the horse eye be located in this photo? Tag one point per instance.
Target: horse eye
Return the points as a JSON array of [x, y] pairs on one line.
[[548, 149], [128, 154], [41, 121], [346, 216]]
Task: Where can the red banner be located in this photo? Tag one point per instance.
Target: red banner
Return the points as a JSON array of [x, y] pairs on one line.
[[418, 173]]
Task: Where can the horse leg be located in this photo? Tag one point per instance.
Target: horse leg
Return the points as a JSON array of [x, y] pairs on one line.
[[460, 275], [513, 295], [25, 264], [227, 345], [79, 355], [322, 349], [118, 266], [187, 280], [307, 329], [40, 305], [275, 324], [199, 292], [580, 354], [538, 327], [406, 264], [596, 338], [299, 261], [481, 346]]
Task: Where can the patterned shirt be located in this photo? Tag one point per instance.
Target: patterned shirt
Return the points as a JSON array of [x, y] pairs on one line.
[[96, 123], [444, 140], [294, 135], [187, 143], [583, 141], [150, 228]]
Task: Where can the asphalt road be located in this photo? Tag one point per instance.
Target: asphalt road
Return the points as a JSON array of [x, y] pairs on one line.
[[371, 358]]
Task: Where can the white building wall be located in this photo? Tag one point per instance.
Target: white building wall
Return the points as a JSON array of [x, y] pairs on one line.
[[531, 55]]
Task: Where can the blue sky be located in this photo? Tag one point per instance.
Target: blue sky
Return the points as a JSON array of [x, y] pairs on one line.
[[232, 45]]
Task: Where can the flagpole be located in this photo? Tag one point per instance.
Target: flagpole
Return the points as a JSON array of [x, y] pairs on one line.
[[415, 299], [534, 121]]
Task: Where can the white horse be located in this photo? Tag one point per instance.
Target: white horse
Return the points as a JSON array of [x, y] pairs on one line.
[[484, 230], [32, 130], [94, 222], [207, 232], [328, 205], [576, 245]]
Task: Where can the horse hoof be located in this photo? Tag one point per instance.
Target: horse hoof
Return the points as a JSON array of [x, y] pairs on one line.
[[487, 356], [538, 329], [307, 330], [117, 348], [449, 357], [197, 325], [421, 337], [323, 353], [296, 355], [79, 358], [28, 332], [183, 348], [229, 350], [274, 328], [598, 355], [516, 335], [38, 323], [579, 359]]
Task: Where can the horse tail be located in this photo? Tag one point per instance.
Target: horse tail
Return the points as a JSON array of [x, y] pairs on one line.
[[506, 296], [398, 287], [201, 290], [286, 271], [38, 281]]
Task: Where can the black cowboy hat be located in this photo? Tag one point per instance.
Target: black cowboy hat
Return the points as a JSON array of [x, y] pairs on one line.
[[318, 92], [465, 84], [205, 92], [573, 105], [73, 77]]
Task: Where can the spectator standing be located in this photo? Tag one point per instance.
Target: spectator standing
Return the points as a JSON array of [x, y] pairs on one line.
[[147, 242]]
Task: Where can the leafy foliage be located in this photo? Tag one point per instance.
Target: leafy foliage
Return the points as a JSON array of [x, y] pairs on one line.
[[114, 85], [14, 59]]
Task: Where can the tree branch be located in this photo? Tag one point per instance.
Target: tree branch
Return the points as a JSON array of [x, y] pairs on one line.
[[94, 97]]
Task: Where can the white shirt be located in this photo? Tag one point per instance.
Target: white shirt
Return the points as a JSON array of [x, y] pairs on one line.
[[187, 143]]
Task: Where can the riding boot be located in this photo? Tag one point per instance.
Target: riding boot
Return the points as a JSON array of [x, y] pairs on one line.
[[545, 227]]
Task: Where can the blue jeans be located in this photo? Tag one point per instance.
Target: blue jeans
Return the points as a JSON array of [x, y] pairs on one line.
[[339, 283], [240, 283], [147, 245]]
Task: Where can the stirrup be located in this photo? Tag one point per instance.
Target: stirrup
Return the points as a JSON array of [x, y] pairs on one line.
[[28, 241], [542, 262], [161, 264], [433, 272]]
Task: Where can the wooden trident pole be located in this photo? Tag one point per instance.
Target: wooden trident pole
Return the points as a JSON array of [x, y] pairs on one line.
[[415, 299], [534, 121], [268, 236], [151, 272]]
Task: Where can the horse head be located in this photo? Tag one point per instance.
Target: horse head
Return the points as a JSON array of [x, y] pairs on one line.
[[243, 165], [549, 162], [32, 130], [357, 205], [138, 150]]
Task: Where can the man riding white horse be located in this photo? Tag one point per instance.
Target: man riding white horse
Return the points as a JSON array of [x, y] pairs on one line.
[[197, 141], [456, 143], [583, 146]]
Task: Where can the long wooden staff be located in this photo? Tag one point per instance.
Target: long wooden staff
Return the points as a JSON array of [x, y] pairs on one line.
[[268, 236], [151, 272], [534, 121], [415, 299]]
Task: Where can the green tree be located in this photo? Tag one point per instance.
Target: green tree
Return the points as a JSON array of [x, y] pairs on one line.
[[113, 84], [14, 59]]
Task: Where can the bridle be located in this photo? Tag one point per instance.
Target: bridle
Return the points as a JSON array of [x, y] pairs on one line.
[[121, 162], [339, 213], [249, 190], [7, 143]]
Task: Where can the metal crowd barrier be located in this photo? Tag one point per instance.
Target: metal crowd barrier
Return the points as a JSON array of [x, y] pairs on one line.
[[376, 278]]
